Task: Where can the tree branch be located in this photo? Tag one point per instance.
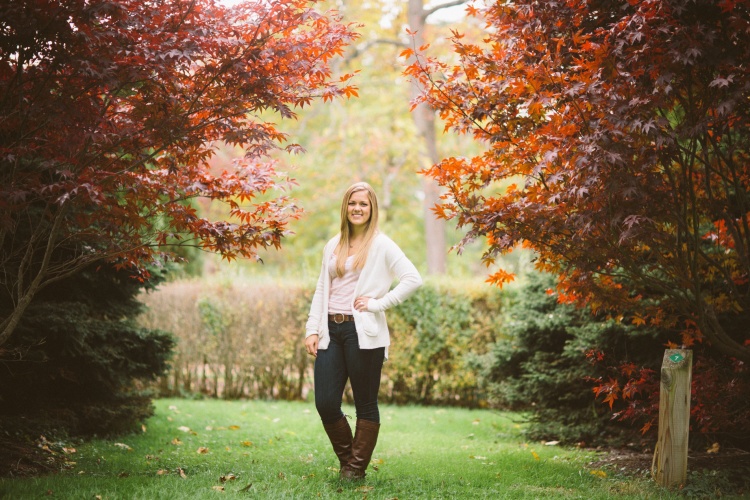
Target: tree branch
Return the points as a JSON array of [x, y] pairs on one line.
[[455, 3]]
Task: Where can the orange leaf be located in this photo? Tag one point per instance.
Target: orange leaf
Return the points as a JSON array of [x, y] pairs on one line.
[[611, 397]]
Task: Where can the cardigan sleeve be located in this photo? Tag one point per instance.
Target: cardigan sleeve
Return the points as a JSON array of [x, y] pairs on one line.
[[314, 318], [401, 268]]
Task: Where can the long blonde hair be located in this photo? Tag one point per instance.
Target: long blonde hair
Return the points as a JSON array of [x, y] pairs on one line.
[[370, 229]]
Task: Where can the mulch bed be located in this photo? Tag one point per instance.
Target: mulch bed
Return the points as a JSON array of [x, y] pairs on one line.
[[734, 462], [28, 459]]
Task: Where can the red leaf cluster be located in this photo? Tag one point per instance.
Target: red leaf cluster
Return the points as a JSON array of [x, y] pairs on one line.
[[111, 109], [617, 147]]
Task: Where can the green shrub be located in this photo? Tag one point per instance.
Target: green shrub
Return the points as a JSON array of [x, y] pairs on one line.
[[435, 336], [542, 364], [77, 361]]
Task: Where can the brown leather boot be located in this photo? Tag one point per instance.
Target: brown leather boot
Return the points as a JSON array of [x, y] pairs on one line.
[[365, 439], [340, 434]]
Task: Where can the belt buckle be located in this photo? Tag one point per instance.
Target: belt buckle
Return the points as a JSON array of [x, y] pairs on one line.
[[337, 320]]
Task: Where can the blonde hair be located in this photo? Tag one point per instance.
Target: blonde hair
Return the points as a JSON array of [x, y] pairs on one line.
[[370, 229]]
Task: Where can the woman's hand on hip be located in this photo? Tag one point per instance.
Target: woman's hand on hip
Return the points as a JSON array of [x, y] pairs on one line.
[[360, 303], [311, 345]]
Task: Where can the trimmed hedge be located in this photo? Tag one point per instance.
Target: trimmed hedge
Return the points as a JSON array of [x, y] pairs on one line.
[[246, 340]]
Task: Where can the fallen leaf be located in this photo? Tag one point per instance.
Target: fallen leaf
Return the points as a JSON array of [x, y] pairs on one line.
[[365, 489], [217, 488], [202, 450], [234, 427], [124, 446], [68, 451], [162, 472], [143, 428], [478, 457], [713, 449], [182, 473], [282, 475], [246, 488], [378, 461], [173, 407], [535, 455], [475, 422], [227, 477], [598, 473], [176, 442], [123, 474], [50, 493], [551, 443], [183, 428], [209, 428], [246, 443]]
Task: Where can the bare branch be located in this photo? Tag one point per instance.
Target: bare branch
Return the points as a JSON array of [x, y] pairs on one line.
[[454, 3], [368, 45]]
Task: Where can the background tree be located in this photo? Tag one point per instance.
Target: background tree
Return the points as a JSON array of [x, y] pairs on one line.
[[424, 119], [110, 111], [624, 128], [372, 138]]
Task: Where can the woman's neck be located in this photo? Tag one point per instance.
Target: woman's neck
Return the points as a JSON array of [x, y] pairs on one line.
[[356, 235]]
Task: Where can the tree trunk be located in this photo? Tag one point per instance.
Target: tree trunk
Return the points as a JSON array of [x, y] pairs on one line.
[[424, 119]]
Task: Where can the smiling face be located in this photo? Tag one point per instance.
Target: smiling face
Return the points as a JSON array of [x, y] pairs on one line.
[[359, 209]]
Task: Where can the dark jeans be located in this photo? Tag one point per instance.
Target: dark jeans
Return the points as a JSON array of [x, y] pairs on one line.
[[341, 360]]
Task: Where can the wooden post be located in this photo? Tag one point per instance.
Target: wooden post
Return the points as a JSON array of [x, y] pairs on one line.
[[669, 467]]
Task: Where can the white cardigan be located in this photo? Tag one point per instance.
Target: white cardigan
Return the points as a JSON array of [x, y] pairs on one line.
[[385, 262]]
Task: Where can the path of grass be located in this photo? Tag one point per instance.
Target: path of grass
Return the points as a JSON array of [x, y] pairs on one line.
[[219, 449]]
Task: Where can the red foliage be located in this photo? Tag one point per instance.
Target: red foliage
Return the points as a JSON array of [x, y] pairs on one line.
[[717, 407], [111, 109], [623, 129], [617, 142]]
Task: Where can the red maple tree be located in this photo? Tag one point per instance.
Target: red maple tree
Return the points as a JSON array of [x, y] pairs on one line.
[[617, 148], [110, 111]]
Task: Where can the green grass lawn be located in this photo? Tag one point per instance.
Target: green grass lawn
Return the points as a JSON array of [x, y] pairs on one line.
[[220, 449]]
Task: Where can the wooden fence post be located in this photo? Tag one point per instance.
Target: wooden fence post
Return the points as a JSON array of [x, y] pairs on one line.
[[669, 467]]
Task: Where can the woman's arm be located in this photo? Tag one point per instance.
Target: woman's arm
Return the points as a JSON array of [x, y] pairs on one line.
[[408, 277]]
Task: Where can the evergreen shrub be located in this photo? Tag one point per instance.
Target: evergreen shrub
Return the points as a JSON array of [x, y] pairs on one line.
[[542, 364], [78, 361]]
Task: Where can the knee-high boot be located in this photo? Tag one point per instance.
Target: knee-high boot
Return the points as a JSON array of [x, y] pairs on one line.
[[365, 439], [340, 434]]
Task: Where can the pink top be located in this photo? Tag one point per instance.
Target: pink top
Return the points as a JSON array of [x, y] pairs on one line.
[[342, 288]]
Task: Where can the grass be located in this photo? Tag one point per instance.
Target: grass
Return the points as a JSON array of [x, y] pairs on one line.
[[252, 449]]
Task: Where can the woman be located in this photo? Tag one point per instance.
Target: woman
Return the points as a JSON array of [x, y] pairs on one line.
[[347, 331]]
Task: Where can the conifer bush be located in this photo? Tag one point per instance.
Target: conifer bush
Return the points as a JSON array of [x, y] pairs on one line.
[[542, 364], [78, 362]]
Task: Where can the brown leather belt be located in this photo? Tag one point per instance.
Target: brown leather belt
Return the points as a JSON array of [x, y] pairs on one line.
[[339, 318]]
